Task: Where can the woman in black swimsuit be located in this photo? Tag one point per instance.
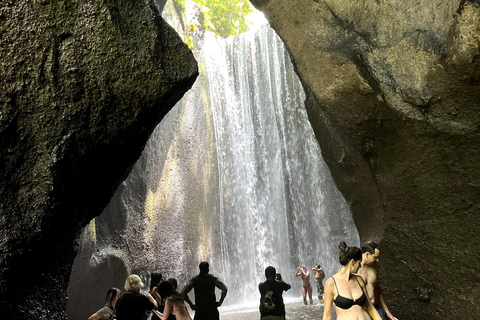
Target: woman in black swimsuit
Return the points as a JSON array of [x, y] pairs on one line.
[[347, 290]]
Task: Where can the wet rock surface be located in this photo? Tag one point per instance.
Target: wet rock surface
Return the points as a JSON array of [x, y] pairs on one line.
[[83, 86], [393, 95]]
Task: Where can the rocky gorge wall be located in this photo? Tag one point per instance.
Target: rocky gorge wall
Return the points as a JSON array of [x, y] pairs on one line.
[[392, 92], [394, 96], [83, 85]]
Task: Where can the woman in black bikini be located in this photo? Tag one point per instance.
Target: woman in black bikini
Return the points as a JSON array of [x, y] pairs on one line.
[[347, 290]]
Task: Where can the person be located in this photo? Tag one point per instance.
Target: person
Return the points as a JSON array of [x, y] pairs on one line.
[[319, 276], [369, 272], [161, 307], [204, 284], [271, 299], [174, 282], [155, 279], [347, 290], [174, 302], [108, 311], [132, 304], [306, 285]]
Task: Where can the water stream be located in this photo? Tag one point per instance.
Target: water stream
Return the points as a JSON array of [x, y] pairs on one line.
[[232, 175]]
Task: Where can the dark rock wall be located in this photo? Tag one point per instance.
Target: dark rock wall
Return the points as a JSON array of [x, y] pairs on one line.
[[83, 85], [394, 97]]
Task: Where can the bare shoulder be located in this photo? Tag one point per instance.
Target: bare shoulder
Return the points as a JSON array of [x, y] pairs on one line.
[[329, 282], [360, 279]]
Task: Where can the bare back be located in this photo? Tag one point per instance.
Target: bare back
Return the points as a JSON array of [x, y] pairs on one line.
[[177, 308]]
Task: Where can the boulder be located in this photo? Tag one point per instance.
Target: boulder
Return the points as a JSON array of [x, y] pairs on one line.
[[84, 83], [393, 94]]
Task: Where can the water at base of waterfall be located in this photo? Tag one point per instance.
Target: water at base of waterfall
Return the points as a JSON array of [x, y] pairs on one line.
[[294, 311]]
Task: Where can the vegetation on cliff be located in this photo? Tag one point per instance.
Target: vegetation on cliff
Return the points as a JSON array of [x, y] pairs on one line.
[[225, 18]]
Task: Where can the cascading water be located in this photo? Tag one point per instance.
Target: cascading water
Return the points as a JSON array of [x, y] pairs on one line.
[[278, 203], [232, 175]]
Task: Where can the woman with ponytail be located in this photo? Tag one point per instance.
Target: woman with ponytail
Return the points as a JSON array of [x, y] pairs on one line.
[[347, 290]]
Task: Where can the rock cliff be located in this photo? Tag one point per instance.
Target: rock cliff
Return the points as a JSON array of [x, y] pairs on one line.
[[83, 85], [394, 98]]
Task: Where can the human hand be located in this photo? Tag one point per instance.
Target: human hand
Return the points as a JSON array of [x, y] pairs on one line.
[[278, 276], [390, 316]]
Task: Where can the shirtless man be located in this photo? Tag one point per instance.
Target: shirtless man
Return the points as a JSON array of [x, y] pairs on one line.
[[369, 273], [204, 289], [319, 276], [306, 285]]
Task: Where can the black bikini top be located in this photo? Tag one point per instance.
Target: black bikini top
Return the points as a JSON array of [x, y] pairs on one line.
[[345, 303]]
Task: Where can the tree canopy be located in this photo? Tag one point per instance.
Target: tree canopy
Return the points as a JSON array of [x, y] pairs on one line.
[[224, 17]]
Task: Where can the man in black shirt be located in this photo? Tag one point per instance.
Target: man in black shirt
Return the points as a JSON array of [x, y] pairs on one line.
[[204, 287], [271, 300]]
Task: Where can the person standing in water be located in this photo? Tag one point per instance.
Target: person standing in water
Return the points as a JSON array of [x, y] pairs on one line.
[[306, 285], [271, 299], [204, 287], [369, 273], [319, 276], [347, 290]]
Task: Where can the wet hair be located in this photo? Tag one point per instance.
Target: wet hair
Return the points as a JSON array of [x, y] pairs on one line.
[[133, 283], [370, 247], [204, 267], [304, 267], [166, 290], [174, 282], [318, 266], [155, 279], [347, 253], [111, 295], [270, 272]]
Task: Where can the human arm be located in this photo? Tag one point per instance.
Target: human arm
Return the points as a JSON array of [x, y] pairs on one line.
[[157, 297], [150, 297], [167, 311], [158, 313], [220, 285], [152, 300], [188, 287], [287, 286], [298, 272], [372, 312], [382, 302], [328, 300], [95, 316]]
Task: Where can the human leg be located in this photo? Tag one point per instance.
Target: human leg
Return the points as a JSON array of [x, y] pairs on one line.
[[304, 294]]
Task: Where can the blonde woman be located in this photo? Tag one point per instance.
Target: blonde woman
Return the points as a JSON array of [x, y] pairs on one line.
[[132, 305], [347, 290], [108, 310]]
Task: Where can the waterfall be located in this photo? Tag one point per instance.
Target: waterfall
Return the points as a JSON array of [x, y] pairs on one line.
[[278, 203], [232, 175]]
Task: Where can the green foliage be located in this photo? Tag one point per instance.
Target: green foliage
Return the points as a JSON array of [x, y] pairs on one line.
[[224, 17]]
